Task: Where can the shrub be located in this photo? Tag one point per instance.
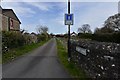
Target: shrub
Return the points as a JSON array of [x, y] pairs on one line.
[[111, 37], [12, 40], [85, 35], [102, 37], [42, 37]]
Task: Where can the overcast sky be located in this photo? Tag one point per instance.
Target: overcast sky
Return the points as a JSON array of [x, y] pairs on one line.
[[51, 14]]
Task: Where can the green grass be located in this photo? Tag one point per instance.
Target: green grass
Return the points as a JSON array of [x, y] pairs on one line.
[[73, 70], [0, 59], [14, 53]]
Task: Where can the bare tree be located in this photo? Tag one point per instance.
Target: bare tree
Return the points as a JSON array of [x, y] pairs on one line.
[[42, 29], [84, 29], [42, 32]]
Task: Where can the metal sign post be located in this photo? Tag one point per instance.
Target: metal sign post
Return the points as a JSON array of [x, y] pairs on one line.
[[69, 53], [69, 21]]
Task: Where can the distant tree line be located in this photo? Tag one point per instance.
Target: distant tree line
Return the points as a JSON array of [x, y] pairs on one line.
[[110, 32]]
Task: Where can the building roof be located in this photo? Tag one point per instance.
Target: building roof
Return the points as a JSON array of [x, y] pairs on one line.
[[73, 33], [33, 33], [10, 13]]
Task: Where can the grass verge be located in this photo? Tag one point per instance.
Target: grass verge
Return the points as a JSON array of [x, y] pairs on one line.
[[0, 59], [73, 70], [14, 53]]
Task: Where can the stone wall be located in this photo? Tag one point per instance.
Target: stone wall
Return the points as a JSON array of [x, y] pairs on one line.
[[6, 24], [97, 59]]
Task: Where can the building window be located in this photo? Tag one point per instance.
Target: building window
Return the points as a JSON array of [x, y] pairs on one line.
[[11, 24]]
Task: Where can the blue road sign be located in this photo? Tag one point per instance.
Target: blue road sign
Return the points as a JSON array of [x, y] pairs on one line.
[[68, 19]]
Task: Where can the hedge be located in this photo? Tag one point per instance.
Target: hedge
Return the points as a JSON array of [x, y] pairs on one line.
[[113, 37], [103, 37], [12, 40]]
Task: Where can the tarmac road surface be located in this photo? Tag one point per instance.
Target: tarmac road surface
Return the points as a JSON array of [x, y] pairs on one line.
[[40, 63]]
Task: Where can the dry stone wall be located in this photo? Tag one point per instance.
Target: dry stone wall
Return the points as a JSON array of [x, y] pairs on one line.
[[97, 59]]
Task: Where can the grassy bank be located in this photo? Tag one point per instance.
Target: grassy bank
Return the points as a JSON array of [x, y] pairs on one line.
[[74, 71], [0, 59], [14, 53]]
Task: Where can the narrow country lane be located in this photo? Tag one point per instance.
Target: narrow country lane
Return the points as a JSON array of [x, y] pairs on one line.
[[40, 63]]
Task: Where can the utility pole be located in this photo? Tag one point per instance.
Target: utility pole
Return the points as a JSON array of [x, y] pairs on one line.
[[69, 52]]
